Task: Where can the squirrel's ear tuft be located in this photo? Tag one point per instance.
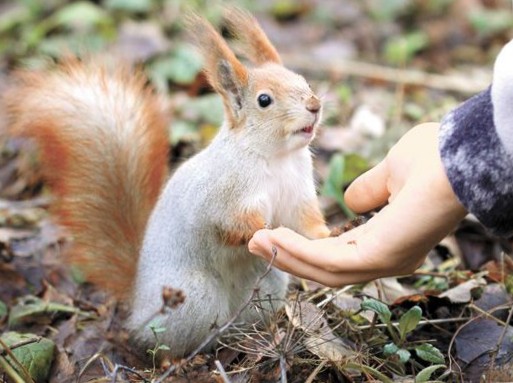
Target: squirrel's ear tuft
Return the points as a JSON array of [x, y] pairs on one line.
[[224, 71], [245, 28]]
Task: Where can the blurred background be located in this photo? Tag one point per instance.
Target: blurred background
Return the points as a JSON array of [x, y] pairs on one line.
[[380, 66]]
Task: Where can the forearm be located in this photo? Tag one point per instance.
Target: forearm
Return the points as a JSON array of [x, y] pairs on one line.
[[477, 164]]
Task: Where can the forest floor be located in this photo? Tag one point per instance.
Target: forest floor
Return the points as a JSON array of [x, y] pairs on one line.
[[381, 68]]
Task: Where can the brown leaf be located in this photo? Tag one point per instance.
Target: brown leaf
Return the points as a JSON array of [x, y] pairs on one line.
[[320, 339]]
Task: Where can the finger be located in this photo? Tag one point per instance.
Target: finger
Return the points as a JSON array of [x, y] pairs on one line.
[[332, 255], [260, 244], [264, 240], [369, 190], [290, 264]]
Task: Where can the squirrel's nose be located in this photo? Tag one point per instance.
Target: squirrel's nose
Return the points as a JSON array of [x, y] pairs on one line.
[[313, 104]]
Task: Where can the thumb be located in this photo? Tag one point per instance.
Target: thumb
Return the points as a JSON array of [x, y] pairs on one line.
[[369, 190]]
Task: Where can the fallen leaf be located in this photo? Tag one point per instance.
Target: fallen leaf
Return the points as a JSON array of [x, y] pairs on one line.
[[320, 339], [464, 292], [388, 290], [36, 357], [476, 340], [30, 309]]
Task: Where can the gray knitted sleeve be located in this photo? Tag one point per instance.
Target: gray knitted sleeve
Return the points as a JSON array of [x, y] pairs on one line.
[[478, 164]]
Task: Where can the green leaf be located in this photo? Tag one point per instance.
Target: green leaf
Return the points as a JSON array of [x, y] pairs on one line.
[[163, 347], [354, 166], [400, 50], [129, 5], [386, 11], [379, 308], [425, 374], [181, 66], [36, 357], [3, 311], [55, 46], [409, 321], [404, 355], [345, 93], [369, 370], [13, 17], [390, 349], [490, 22], [81, 15], [207, 108], [158, 330], [183, 130], [334, 183], [429, 353], [30, 308]]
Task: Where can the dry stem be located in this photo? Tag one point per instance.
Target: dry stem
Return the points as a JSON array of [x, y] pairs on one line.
[[462, 84]]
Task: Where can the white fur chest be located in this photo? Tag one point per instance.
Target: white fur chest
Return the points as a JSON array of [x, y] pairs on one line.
[[282, 187]]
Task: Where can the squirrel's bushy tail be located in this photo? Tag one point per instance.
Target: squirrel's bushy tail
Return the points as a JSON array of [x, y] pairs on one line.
[[103, 151]]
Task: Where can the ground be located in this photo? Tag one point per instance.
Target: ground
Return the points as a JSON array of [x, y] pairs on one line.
[[381, 68]]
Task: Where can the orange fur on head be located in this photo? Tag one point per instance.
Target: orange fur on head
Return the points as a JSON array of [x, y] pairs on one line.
[[224, 71], [246, 29], [86, 117], [214, 50]]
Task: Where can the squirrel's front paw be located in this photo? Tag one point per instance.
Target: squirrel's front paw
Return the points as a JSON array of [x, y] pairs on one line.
[[240, 230]]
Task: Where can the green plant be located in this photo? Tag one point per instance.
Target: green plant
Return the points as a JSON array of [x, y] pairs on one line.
[[400, 349], [400, 50], [342, 170], [156, 330]]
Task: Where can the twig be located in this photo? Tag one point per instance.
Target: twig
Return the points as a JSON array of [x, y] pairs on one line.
[[19, 344], [283, 368], [493, 355], [119, 367], [332, 296], [458, 330], [462, 84], [488, 315], [316, 372], [214, 334], [422, 322], [432, 274], [88, 363], [15, 360], [10, 371], [505, 327], [507, 260], [222, 372]]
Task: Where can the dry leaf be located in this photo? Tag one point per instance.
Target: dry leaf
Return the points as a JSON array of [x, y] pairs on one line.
[[320, 339], [463, 293]]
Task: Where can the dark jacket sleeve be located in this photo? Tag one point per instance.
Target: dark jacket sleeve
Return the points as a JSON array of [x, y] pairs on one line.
[[478, 166]]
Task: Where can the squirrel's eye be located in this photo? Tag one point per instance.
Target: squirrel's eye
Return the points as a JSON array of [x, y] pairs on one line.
[[264, 100]]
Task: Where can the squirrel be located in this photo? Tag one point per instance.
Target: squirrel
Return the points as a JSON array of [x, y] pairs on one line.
[[104, 147]]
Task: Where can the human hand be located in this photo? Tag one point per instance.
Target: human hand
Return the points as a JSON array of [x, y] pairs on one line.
[[422, 208]]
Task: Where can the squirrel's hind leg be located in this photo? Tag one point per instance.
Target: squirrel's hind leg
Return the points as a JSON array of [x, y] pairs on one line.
[[185, 327]]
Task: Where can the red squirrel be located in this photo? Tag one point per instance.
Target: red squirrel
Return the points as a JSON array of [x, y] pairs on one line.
[[103, 143]]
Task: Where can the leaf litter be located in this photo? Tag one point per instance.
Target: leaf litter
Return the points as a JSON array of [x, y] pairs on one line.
[[381, 69]]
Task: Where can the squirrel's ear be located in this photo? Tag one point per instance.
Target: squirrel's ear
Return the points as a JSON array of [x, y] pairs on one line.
[[224, 71], [245, 28]]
